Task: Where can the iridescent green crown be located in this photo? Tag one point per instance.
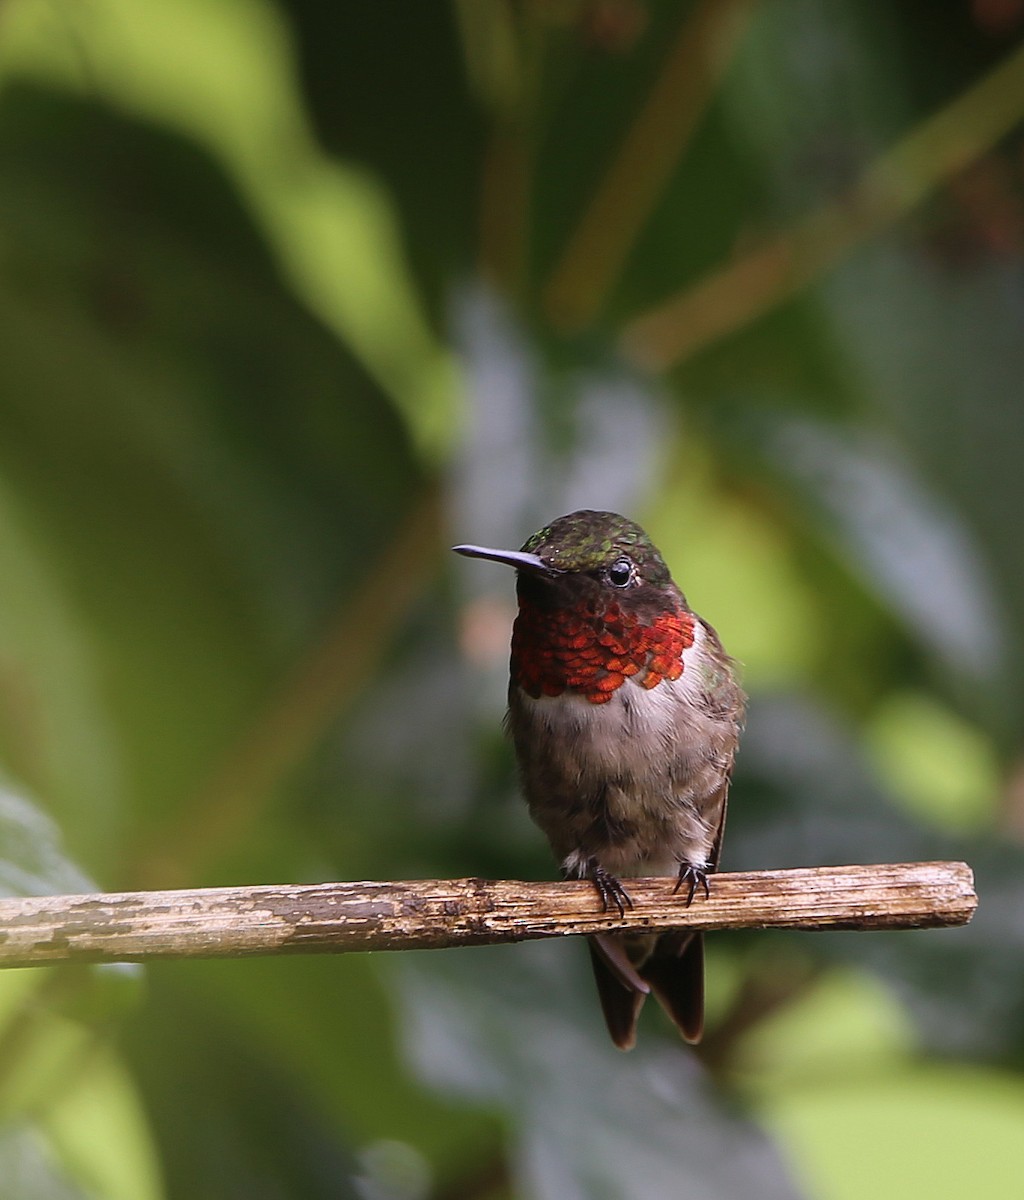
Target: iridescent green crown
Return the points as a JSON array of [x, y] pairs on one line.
[[587, 540]]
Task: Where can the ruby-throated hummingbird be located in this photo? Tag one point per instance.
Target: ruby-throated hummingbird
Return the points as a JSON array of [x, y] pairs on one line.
[[625, 713]]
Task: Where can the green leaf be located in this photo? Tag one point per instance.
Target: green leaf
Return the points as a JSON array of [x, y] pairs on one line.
[[899, 537], [29, 1169], [232, 1115], [32, 860], [804, 796], [518, 1028]]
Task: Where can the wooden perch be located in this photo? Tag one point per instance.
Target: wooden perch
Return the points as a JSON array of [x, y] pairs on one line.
[[425, 914]]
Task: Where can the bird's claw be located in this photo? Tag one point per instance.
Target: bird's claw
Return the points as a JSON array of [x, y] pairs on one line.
[[693, 876], [611, 891]]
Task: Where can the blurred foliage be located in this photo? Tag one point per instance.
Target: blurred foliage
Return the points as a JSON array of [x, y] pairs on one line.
[[293, 296]]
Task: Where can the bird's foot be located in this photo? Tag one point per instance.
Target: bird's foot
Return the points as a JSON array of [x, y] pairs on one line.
[[610, 889], [693, 876]]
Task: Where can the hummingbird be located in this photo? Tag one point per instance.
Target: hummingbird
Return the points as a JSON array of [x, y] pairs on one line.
[[625, 713]]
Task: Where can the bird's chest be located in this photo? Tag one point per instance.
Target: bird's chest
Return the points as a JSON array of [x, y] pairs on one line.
[[610, 717], [619, 782], [622, 747], [630, 781]]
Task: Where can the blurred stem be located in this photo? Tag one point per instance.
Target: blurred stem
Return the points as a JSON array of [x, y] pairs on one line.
[[26, 1046], [767, 989], [504, 198], [484, 1180], [1012, 814], [504, 53], [891, 186], [323, 683], [637, 175]]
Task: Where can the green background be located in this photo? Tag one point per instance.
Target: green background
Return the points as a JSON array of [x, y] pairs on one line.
[[294, 296]]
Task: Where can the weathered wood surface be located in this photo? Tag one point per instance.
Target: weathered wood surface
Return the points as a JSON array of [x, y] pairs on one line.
[[424, 914]]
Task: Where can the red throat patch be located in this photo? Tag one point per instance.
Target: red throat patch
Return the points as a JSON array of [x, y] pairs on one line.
[[594, 653]]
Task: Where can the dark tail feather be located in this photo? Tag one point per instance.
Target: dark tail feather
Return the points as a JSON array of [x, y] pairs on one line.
[[675, 972], [671, 966], [621, 1000]]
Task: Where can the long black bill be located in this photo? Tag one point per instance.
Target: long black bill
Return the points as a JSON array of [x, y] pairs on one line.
[[512, 558]]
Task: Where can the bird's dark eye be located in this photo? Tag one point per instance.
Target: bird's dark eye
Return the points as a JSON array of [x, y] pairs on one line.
[[620, 573]]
